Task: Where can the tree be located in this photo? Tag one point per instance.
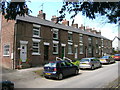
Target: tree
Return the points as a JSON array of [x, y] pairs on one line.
[[90, 8], [10, 9]]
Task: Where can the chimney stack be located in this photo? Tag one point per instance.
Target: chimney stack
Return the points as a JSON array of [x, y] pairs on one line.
[[65, 22], [99, 33], [94, 31], [75, 25], [82, 27], [54, 19], [88, 29], [41, 15]]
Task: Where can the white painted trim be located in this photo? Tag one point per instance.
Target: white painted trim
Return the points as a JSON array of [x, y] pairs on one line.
[[46, 43], [36, 25], [55, 29], [23, 42], [70, 43], [36, 40], [55, 42], [75, 45], [70, 32], [35, 53], [63, 44]]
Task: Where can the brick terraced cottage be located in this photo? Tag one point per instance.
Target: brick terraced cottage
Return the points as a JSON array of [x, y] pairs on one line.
[[35, 41]]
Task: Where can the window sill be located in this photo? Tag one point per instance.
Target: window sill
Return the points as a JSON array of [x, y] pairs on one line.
[[70, 41], [55, 53], [81, 53], [36, 54], [36, 37], [70, 53], [6, 55]]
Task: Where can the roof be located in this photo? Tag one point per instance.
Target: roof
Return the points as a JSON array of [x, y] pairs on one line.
[[37, 20]]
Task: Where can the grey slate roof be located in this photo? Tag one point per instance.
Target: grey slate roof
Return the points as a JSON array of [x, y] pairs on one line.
[[37, 20]]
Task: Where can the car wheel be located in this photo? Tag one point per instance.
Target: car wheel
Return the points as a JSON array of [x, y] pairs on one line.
[[60, 76], [100, 65], [5, 88], [92, 67], [76, 72], [47, 77]]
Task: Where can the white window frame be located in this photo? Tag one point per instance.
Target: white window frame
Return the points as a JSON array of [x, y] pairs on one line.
[[81, 36], [36, 41], [4, 50], [55, 31], [97, 50], [71, 44], [90, 40], [90, 49], [70, 33], [55, 47], [81, 52], [38, 30]]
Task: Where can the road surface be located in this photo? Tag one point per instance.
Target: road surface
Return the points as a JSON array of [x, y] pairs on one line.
[[97, 78]]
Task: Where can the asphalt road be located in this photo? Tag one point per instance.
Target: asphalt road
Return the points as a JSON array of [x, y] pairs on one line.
[[97, 78]]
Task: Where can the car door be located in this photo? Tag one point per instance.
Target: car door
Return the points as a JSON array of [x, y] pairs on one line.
[[71, 68], [95, 62], [64, 69]]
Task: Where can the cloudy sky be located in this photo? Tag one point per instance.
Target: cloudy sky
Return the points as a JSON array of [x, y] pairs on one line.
[[51, 8]]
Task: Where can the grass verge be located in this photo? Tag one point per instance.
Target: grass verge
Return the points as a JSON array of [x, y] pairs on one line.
[[39, 72]]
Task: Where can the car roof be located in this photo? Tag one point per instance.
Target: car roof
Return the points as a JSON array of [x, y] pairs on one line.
[[89, 58], [59, 61]]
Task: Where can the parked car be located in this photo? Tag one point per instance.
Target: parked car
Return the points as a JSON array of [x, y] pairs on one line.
[[107, 59], [59, 69], [117, 57], [6, 85], [91, 63], [76, 62]]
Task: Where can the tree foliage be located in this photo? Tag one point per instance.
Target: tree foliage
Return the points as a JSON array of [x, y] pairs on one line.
[[110, 9], [11, 9]]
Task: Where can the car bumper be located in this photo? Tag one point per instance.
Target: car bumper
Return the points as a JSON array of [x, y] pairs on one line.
[[116, 58], [50, 75], [85, 66], [104, 62]]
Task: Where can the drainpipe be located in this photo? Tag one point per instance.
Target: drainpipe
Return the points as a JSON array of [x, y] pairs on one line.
[[14, 45], [0, 39]]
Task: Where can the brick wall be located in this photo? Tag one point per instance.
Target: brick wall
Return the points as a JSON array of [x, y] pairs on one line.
[[7, 38]]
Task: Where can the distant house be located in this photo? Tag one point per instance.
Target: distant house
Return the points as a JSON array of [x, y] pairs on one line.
[[35, 41]]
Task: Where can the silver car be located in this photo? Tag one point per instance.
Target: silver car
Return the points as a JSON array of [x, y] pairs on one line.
[[107, 59], [91, 63]]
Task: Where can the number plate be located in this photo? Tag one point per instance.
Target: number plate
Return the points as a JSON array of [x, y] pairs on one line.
[[48, 73]]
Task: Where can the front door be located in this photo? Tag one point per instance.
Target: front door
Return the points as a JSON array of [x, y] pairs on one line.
[[23, 52], [46, 50], [63, 52], [76, 52]]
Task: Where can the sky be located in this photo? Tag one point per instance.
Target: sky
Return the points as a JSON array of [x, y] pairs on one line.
[[51, 7]]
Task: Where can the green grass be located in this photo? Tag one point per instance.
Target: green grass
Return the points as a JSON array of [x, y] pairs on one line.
[[39, 72]]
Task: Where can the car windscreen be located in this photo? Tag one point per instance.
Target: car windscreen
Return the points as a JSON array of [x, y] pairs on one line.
[[105, 57], [84, 60], [50, 65], [117, 55]]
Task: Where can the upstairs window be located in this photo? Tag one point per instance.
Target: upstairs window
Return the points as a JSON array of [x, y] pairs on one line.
[[55, 33], [96, 41], [6, 50], [69, 36], [36, 30], [81, 38], [90, 40], [70, 48]]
